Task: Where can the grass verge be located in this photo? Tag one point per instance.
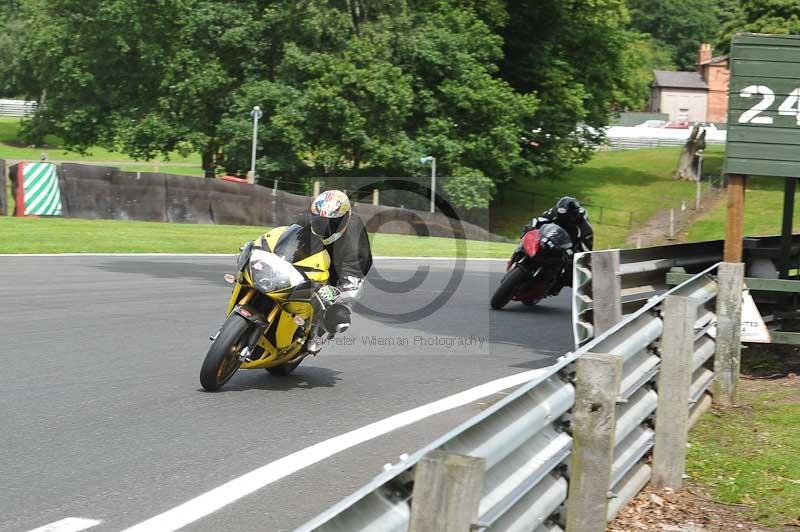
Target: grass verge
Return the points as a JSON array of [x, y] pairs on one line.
[[763, 211], [747, 454], [71, 235], [630, 186], [10, 148]]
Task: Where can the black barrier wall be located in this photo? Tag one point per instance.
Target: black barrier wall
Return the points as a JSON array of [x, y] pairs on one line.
[[104, 192]]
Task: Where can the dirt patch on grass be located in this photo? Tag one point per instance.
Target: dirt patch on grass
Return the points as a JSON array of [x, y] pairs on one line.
[[788, 387], [688, 510], [655, 231]]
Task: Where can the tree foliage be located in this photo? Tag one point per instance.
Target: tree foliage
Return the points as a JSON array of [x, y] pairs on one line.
[[9, 29], [571, 53], [780, 17], [678, 26], [495, 90]]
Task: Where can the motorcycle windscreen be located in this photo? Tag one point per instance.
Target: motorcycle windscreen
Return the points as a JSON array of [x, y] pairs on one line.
[[553, 236], [297, 243]]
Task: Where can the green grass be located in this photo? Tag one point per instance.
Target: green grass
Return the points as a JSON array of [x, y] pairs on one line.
[[65, 235], [748, 454], [631, 185], [11, 149], [763, 208]]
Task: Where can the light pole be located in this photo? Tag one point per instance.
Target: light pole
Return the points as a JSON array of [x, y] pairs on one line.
[[256, 113], [431, 159]]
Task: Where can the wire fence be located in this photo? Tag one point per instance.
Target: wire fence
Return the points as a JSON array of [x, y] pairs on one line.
[[414, 193]]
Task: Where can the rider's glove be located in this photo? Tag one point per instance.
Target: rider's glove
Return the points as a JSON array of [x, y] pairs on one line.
[[328, 294]]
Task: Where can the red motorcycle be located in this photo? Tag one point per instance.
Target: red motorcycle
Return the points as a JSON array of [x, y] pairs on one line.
[[535, 267]]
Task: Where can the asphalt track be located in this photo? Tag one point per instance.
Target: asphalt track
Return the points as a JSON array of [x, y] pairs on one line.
[[103, 417]]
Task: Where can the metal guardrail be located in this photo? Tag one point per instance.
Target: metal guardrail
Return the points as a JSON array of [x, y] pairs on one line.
[[601, 279], [635, 275], [526, 438], [19, 108]]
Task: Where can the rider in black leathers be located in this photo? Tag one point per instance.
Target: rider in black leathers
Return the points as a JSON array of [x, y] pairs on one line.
[[574, 219], [345, 238]]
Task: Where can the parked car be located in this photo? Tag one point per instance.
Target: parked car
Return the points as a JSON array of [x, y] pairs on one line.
[[652, 123], [677, 124]]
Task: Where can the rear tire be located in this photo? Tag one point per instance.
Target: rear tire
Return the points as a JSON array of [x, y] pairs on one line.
[[507, 287], [222, 359]]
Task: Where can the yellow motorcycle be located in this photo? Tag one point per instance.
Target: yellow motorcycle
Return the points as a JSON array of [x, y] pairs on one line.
[[273, 306]]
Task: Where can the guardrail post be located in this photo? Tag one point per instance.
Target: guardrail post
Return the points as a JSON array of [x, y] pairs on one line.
[[674, 381], [447, 492], [727, 356], [594, 422], [606, 290]]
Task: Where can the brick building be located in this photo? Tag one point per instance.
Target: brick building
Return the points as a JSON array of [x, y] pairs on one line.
[[700, 96]]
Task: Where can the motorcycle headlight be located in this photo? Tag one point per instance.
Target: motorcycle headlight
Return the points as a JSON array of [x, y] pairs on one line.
[[271, 273]]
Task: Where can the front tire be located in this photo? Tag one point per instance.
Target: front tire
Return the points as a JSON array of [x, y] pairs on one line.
[[222, 359], [507, 287]]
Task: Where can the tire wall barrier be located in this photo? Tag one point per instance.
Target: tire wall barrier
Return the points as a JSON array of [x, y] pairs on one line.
[[35, 188], [104, 192]]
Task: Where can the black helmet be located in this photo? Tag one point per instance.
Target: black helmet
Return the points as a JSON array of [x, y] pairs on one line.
[[568, 209]]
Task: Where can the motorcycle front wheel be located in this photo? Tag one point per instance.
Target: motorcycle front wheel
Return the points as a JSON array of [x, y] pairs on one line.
[[222, 359], [507, 287]]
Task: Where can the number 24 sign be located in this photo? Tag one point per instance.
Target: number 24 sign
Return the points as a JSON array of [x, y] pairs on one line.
[[789, 107]]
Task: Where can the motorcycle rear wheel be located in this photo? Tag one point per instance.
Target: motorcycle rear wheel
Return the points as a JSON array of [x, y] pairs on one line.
[[222, 359], [507, 287]]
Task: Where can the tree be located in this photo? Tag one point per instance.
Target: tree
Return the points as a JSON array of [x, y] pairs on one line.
[[679, 26], [407, 81], [572, 56], [9, 28], [780, 17], [146, 78], [643, 55], [494, 90]]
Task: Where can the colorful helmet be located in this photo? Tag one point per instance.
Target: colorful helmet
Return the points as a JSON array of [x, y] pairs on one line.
[[330, 214]]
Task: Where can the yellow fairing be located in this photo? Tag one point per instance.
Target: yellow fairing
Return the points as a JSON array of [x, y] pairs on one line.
[[282, 324]]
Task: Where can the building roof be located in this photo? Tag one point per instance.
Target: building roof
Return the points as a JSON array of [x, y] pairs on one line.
[[715, 60], [679, 80]]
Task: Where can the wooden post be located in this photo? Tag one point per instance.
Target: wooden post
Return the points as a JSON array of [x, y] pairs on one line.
[[727, 356], [376, 196], [789, 187], [674, 381], [447, 492], [671, 224], [734, 228], [315, 192], [606, 296], [594, 423], [697, 195]]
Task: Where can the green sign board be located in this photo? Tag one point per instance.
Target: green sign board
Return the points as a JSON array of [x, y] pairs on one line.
[[764, 106]]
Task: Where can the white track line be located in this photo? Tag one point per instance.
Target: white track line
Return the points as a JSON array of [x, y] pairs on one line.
[[230, 492], [3, 255], [70, 524]]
